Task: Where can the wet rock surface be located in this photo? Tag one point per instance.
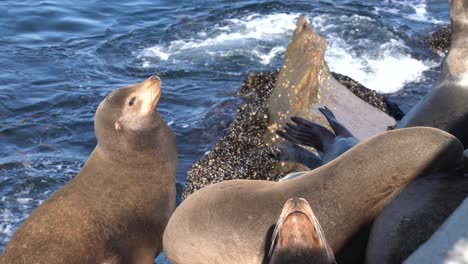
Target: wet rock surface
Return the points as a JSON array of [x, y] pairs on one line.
[[299, 80], [305, 84], [240, 152], [440, 39], [370, 96]]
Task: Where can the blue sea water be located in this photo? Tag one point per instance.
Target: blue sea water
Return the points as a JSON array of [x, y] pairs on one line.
[[58, 60]]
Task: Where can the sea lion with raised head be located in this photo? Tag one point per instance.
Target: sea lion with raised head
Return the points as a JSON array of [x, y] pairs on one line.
[[229, 222], [298, 237], [445, 106], [115, 210]]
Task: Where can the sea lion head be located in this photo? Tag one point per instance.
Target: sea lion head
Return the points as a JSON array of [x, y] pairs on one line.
[[298, 236], [127, 121]]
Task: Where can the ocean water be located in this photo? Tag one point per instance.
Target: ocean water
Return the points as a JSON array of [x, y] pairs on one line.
[[59, 59]]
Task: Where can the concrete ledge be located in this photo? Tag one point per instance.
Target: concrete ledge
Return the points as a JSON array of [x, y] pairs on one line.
[[449, 244]]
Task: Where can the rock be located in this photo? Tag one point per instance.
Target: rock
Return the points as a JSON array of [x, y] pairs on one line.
[[304, 69], [304, 84], [439, 40], [370, 96], [240, 152], [449, 244], [250, 148]]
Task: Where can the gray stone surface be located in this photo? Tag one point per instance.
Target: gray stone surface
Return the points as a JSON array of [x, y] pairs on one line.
[[449, 244]]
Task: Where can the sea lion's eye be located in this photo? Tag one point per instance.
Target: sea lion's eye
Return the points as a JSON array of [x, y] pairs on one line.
[[132, 101]]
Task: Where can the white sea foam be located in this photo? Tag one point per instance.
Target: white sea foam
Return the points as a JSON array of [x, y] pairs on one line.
[[235, 33], [387, 72], [265, 59], [24, 200], [156, 51], [386, 66], [7, 222], [418, 10]]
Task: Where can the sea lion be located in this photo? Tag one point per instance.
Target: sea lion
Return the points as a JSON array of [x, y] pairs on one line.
[[414, 215], [445, 106], [229, 222], [298, 237], [115, 210], [329, 145]]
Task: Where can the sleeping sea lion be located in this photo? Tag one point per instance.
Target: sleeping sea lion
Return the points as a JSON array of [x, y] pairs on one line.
[[230, 222], [414, 214]]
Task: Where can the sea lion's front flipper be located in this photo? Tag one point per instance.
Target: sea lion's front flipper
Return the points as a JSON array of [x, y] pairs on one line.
[[310, 134], [339, 129], [307, 133]]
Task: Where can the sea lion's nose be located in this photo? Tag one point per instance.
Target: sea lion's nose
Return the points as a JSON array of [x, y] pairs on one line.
[[153, 82], [294, 202]]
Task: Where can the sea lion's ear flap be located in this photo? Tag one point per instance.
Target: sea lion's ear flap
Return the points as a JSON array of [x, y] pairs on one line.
[[117, 126]]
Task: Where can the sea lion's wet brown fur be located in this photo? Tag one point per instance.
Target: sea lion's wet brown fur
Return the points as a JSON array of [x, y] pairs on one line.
[[229, 222], [115, 210], [298, 237]]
